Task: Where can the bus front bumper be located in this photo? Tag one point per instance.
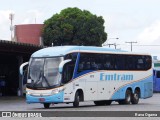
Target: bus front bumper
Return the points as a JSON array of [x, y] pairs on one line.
[[56, 98]]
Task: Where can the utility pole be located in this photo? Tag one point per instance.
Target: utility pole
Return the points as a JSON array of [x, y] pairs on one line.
[[104, 44], [115, 45], [131, 44], [110, 44], [11, 17]]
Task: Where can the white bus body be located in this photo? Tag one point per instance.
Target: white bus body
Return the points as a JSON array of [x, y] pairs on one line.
[[71, 74]]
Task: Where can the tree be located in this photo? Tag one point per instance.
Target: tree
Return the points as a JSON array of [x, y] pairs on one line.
[[74, 27]]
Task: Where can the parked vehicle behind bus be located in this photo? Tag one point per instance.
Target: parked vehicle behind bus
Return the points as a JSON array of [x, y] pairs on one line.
[[156, 80], [72, 74]]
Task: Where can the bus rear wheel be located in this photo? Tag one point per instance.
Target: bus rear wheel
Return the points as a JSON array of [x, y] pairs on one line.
[[128, 96], [127, 99], [46, 105], [135, 97]]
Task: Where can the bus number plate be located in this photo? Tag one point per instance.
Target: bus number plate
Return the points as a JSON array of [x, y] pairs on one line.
[[41, 99]]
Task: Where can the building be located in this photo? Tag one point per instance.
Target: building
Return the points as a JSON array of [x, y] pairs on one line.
[[14, 53], [29, 33]]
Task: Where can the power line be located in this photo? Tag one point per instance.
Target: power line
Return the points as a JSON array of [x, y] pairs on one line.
[[146, 45], [131, 43], [139, 45]]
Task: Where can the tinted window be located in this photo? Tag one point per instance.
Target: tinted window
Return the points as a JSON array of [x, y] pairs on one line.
[[109, 62], [68, 69], [92, 61]]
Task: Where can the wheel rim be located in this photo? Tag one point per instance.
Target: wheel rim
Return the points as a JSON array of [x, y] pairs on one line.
[[128, 98], [136, 96]]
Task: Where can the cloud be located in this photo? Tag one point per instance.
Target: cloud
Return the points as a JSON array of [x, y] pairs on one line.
[[32, 17], [150, 34], [28, 17], [5, 24]]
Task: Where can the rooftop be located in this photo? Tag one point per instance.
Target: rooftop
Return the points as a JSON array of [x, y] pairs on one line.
[[16, 47], [63, 50]]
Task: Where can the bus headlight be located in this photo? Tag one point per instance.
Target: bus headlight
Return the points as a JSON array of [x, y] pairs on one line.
[[28, 93], [55, 91]]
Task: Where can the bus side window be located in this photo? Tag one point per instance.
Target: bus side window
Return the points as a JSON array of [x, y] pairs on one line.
[[81, 66], [69, 67], [109, 63], [140, 63], [148, 61], [68, 72]]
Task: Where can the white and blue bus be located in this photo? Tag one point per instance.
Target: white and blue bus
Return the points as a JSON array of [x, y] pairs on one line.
[[72, 74]]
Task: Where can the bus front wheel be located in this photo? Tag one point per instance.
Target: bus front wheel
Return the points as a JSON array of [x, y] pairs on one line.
[[46, 105], [76, 100]]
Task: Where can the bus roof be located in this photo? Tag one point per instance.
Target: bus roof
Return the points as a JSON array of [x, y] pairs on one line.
[[63, 50]]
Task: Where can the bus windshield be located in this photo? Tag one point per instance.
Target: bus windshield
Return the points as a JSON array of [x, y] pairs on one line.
[[43, 72]]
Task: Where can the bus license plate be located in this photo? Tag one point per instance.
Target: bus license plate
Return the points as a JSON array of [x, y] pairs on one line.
[[41, 99]]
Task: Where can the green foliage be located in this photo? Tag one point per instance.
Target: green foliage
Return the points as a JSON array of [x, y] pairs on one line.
[[74, 27]]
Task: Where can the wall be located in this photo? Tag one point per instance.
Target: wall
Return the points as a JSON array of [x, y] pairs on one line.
[[28, 33]]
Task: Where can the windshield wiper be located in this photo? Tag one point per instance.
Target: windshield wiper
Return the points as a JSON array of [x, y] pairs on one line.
[[46, 81], [41, 75], [38, 80]]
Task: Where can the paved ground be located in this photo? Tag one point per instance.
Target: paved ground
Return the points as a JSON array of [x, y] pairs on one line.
[[19, 104]]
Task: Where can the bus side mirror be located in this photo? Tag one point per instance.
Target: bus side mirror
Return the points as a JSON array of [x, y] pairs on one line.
[[62, 64], [21, 67]]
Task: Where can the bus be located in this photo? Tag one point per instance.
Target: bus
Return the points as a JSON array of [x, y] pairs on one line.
[[73, 74], [156, 80]]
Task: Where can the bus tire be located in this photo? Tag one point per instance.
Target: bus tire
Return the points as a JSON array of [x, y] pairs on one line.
[[128, 97], [46, 105], [135, 97], [76, 100]]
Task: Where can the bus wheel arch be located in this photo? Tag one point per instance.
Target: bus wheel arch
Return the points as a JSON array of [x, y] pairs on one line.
[[128, 96], [79, 96], [136, 96]]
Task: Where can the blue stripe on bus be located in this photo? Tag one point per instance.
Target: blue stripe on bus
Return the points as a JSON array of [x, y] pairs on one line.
[[56, 98], [146, 89], [76, 66], [83, 73]]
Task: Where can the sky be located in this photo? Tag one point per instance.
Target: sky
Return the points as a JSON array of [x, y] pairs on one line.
[[129, 20]]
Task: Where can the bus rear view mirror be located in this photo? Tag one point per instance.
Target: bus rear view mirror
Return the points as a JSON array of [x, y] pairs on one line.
[[62, 64], [21, 67]]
